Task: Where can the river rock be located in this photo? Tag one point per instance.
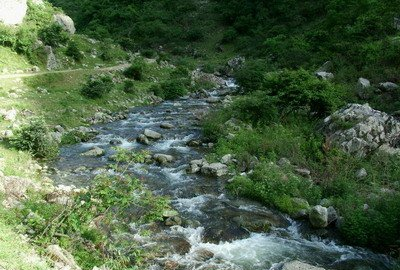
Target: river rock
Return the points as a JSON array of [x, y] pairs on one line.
[[359, 130], [143, 139], [213, 100], [363, 83], [318, 216], [332, 215], [297, 265], [227, 159], [12, 12], [65, 22], [153, 135], [163, 159], [61, 255], [215, 169], [302, 206], [94, 152], [166, 125], [173, 221], [203, 255], [169, 213], [200, 76]]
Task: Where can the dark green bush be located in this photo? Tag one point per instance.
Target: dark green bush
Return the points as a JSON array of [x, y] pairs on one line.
[[35, 137], [251, 76], [136, 70], [129, 87], [149, 53], [73, 51], [172, 89], [97, 86], [300, 90], [54, 35]]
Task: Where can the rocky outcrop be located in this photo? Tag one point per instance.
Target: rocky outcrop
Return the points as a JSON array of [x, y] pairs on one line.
[[359, 130], [63, 195], [200, 76], [12, 12], [65, 22], [52, 62]]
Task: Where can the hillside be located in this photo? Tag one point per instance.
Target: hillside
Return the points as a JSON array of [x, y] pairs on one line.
[[218, 134]]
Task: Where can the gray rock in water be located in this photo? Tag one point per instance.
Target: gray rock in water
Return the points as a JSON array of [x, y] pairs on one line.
[[166, 125], [297, 265], [65, 22], [173, 221], [163, 159], [94, 152], [227, 159], [359, 129], [215, 169], [213, 100], [318, 216], [152, 134], [143, 139]]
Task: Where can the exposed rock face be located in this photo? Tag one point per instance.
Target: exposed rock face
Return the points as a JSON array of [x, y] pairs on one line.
[[52, 62], [297, 265], [319, 216], [65, 22], [62, 257], [359, 129], [12, 12]]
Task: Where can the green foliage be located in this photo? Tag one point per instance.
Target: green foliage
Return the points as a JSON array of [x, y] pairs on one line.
[[54, 35], [136, 71], [251, 76], [270, 185], [171, 89], [129, 87], [126, 156], [73, 51], [149, 53], [97, 86], [110, 201], [35, 137]]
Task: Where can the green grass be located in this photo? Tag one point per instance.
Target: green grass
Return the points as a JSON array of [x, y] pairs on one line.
[[16, 253], [11, 61]]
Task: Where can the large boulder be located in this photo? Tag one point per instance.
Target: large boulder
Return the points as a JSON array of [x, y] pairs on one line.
[[12, 12], [359, 130], [94, 152], [215, 169], [200, 76], [151, 134], [65, 22], [318, 216], [297, 265]]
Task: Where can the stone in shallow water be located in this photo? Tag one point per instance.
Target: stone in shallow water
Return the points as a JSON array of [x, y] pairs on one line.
[[319, 216], [166, 125], [151, 134], [297, 265], [215, 169], [94, 152]]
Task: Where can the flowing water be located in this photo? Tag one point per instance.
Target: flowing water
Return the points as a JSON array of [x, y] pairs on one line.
[[215, 240]]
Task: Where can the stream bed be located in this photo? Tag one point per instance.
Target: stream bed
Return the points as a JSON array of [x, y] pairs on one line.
[[215, 240]]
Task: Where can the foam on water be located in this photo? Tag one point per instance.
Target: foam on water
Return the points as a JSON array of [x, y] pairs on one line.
[[191, 205]]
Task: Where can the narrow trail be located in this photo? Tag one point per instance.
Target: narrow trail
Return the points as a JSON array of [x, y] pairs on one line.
[[33, 74]]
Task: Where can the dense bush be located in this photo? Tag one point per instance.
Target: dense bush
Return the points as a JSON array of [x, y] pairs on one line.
[[54, 35], [129, 87], [251, 76], [73, 51], [172, 89], [97, 86], [136, 70], [35, 137]]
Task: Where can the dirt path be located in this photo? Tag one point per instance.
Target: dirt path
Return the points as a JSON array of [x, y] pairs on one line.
[[24, 75]]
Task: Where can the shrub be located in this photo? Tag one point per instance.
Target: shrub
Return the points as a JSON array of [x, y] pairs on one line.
[[229, 36], [73, 51], [129, 87], [35, 137], [251, 76], [172, 89], [149, 53], [301, 91], [136, 70], [54, 35], [97, 86]]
